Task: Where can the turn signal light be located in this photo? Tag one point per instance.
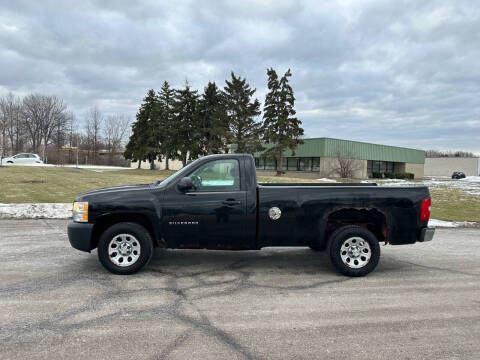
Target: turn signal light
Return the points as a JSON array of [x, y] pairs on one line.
[[425, 210]]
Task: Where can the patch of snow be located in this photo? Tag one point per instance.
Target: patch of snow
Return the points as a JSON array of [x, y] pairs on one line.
[[396, 182], [447, 224], [470, 185], [36, 211], [99, 167], [471, 179], [28, 164], [392, 180], [327, 180]]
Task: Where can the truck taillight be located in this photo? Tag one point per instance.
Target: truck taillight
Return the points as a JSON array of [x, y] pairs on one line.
[[426, 208]]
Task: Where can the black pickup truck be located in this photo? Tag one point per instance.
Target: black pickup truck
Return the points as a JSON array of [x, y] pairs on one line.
[[215, 202]]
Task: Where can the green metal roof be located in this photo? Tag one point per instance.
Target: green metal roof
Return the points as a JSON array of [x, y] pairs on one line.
[[328, 147]]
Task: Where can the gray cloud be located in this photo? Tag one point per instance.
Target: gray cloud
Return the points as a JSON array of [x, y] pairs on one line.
[[402, 72]]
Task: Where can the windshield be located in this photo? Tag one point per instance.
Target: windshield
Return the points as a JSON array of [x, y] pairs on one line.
[[179, 174]]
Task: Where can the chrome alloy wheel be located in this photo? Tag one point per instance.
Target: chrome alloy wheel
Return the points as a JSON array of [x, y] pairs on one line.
[[355, 252], [124, 250]]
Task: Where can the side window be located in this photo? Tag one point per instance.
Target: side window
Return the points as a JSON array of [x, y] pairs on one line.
[[218, 175]]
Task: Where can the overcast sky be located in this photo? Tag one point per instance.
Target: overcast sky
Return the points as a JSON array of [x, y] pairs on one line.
[[403, 73]]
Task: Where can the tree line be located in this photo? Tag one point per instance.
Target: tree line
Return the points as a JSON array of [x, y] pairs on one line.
[[182, 124], [439, 153], [42, 124]]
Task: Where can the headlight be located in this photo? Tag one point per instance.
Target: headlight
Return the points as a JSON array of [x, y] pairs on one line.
[[80, 211]]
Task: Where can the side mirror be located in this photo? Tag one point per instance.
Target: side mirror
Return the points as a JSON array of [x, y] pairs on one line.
[[185, 184]]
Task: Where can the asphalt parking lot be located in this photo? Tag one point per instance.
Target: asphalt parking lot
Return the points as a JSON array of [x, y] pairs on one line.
[[422, 302]]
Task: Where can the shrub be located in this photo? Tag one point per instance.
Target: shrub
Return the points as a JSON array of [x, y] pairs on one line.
[[389, 175], [377, 175], [407, 176]]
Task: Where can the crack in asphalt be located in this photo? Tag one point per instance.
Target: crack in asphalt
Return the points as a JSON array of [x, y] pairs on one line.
[[453, 271]]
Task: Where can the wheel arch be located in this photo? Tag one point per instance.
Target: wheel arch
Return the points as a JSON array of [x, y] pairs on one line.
[[105, 221], [370, 218]]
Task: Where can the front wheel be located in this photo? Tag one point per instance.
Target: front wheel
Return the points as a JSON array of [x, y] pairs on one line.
[[354, 251], [125, 248]]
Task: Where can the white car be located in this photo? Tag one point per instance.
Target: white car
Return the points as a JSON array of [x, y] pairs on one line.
[[23, 159]]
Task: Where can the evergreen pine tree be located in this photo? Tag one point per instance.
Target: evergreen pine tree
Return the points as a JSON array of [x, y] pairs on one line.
[[133, 150], [281, 128], [213, 122], [241, 111], [143, 144], [166, 123], [186, 142]]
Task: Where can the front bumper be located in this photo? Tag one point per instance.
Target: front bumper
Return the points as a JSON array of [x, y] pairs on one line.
[[426, 234], [80, 236]]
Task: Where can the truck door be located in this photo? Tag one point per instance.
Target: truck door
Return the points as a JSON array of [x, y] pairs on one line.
[[213, 214]]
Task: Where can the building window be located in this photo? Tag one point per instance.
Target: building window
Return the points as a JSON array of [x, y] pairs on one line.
[[289, 164], [379, 167], [292, 164], [305, 164], [260, 163]]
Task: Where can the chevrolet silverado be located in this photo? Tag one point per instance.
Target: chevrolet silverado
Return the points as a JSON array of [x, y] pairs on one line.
[[215, 202]]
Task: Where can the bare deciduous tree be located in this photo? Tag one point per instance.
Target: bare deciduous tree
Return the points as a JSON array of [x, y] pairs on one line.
[[93, 129], [33, 114], [11, 110], [43, 115], [4, 117], [115, 131], [3, 129], [54, 121], [72, 137], [346, 165]]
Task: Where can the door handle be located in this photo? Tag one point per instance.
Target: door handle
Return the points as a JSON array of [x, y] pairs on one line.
[[231, 202]]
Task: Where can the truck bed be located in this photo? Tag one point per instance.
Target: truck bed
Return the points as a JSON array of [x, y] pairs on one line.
[[308, 208]]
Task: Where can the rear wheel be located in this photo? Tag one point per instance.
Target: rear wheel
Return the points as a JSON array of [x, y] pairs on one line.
[[354, 251], [124, 248]]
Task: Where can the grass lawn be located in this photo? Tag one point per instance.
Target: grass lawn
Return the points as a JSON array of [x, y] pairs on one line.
[[20, 184], [24, 184], [451, 204]]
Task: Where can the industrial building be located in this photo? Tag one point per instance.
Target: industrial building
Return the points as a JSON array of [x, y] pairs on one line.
[[320, 157], [445, 166]]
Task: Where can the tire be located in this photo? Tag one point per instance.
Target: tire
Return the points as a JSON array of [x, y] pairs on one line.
[[125, 248], [354, 263]]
